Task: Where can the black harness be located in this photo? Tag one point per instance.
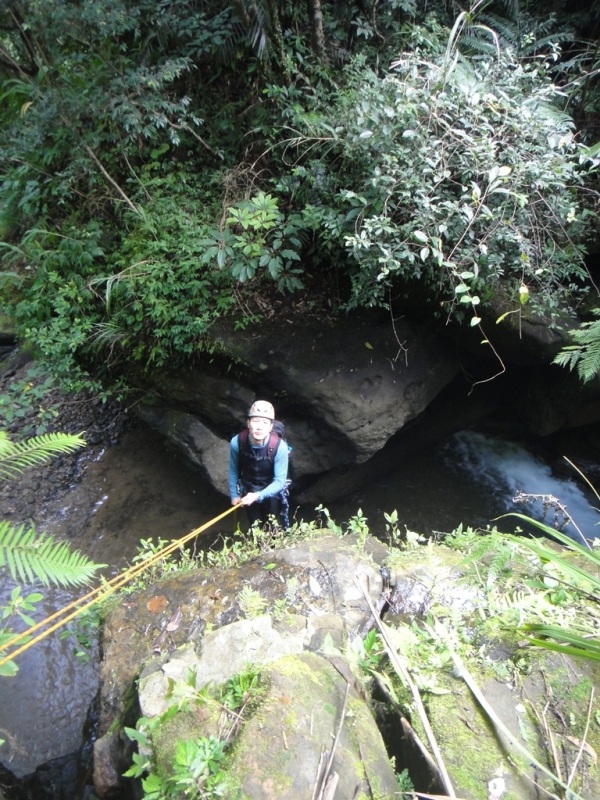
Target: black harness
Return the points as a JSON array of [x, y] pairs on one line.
[[256, 463]]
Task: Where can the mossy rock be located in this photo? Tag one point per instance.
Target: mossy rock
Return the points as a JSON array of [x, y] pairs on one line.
[[287, 734], [278, 752], [7, 326], [556, 689]]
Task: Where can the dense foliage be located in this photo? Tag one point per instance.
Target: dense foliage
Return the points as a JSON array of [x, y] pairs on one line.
[[166, 163], [459, 174]]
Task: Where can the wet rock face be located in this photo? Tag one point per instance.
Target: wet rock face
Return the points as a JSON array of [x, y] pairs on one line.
[[298, 633], [342, 389], [103, 424]]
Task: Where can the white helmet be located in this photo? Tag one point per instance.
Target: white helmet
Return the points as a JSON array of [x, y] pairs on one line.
[[261, 408]]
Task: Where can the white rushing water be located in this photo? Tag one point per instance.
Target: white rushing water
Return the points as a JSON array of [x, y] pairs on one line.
[[506, 468]]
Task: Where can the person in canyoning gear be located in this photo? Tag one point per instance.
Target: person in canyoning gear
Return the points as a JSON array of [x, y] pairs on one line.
[[258, 468]]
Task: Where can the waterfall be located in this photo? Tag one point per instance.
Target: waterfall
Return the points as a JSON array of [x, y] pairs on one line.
[[505, 469]]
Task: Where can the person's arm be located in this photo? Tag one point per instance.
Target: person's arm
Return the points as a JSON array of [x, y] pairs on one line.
[[280, 470], [234, 470]]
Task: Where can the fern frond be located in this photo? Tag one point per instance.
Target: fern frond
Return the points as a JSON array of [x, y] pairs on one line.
[[553, 114], [480, 47], [508, 30], [552, 38], [585, 354], [16, 457], [499, 564], [256, 19], [29, 555], [568, 356], [589, 365]]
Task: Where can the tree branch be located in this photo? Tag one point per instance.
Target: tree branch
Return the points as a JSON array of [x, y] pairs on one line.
[[8, 61], [111, 180]]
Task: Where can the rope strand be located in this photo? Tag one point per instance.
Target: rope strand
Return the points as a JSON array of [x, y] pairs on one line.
[[101, 592]]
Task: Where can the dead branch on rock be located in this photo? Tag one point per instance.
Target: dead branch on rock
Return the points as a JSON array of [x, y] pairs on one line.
[[328, 782], [405, 675]]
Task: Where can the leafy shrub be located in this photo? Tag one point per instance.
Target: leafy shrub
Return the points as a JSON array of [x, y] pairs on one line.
[[461, 174], [150, 301]]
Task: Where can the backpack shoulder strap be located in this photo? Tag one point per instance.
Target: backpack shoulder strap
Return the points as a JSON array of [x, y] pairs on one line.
[[274, 440], [243, 444], [272, 446]]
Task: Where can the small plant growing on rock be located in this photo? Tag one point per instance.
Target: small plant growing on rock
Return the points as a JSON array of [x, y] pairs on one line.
[[197, 771], [241, 688], [367, 651], [196, 765], [251, 603], [177, 561]]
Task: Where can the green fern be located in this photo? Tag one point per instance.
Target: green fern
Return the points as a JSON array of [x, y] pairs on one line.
[[29, 555], [15, 457], [585, 354], [508, 30], [526, 31], [559, 118]]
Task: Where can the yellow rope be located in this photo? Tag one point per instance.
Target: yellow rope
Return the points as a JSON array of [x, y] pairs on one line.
[[103, 591]]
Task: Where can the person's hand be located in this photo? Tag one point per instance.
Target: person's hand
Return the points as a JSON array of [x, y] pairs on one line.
[[250, 498], [236, 501]]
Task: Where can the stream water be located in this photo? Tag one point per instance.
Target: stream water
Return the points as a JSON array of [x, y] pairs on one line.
[[472, 478], [138, 489], [135, 490]]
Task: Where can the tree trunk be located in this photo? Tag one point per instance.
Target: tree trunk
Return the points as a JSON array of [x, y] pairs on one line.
[[315, 15]]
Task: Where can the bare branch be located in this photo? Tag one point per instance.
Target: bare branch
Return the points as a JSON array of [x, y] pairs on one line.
[[111, 180]]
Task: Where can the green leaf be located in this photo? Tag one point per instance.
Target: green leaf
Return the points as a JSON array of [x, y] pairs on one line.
[[593, 150], [291, 254], [30, 555], [9, 669], [16, 457]]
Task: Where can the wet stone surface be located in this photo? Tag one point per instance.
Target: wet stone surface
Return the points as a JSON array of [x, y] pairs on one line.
[[103, 425]]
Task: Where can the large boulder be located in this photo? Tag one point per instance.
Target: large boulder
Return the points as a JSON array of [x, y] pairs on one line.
[[538, 699], [174, 652], [278, 753], [217, 633], [343, 388]]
